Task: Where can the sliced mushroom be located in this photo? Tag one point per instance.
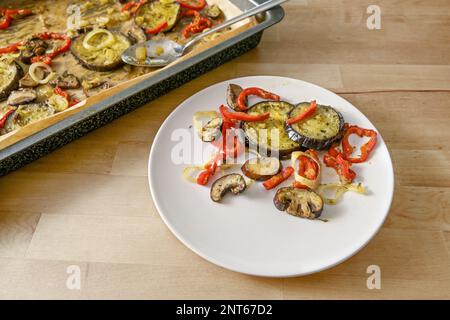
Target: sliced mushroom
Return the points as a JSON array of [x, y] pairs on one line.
[[262, 168], [33, 47], [233, 92], [27, 82], [22, 96], [133, 31], [213, 11], [211, 130], [233, 182], [299, 202], [66, 81]]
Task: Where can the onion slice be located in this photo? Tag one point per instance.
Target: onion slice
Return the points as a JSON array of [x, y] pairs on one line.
[[59, 103], [33, 69], [199, 115], [191, 173], [339, 190], [106, 42], [312, 184]]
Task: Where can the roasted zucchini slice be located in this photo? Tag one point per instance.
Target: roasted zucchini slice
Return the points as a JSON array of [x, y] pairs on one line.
[[102, 54], [261, 134], [154, 13], [10, 75], [320, 130]]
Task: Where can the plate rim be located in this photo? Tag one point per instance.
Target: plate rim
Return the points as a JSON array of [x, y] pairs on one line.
[[223, 265]]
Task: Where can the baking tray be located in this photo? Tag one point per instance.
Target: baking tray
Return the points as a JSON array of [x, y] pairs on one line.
[[103, 112]]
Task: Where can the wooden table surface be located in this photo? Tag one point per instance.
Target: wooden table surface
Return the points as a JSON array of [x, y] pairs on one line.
[[88, 203]]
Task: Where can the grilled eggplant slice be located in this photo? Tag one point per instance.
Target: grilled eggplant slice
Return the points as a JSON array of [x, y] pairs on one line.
[[299, 202], [10, 75], [233, 182], [319, 131], [261, 168], [66, 81], [107, 58], [270, 136], [133, 31], [233, 92], [154, 13]]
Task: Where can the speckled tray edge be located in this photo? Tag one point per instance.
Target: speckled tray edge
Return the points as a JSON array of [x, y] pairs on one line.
[[79, 124]]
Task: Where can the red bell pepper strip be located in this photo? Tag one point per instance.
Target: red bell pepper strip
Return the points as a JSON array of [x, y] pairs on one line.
[[307, 167], [333, 151], [278, 178], [198, 24], [6, 22], [65, 95], [299, 185], [223, 152], [305, 114], [5, 117], [220, 156], [61, 93], [47, 58], [160, 27], [8, 16], [73, 102], [12, 47], [242, 98], [132, 6], [127, 6], [342, 167], [347, 148], [192, 4], [242, 116]]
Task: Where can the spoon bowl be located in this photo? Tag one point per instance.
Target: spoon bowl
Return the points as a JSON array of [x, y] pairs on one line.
[[159, 53]]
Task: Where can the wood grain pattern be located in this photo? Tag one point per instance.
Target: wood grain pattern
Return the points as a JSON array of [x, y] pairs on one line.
[[88, 203]]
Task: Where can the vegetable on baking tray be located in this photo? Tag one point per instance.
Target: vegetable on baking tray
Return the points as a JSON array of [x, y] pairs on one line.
[[10, 75], [158, 16], [8, 15], [198, 24], [100, 49]]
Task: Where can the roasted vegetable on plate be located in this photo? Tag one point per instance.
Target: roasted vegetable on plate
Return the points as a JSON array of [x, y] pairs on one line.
[[261, 168], [320, 130], [270, 135], [233, 183], [279, 130], [299, 202]]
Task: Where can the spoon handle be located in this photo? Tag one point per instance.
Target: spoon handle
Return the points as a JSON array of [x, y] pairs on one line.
[[255, 10]]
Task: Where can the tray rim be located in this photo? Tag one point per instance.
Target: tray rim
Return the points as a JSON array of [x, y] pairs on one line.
[[273, 16]]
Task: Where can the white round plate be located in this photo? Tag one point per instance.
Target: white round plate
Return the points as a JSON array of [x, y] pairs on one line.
[[246, 233]]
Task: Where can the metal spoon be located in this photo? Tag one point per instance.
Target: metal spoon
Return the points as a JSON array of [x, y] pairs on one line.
[[172, 50]]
